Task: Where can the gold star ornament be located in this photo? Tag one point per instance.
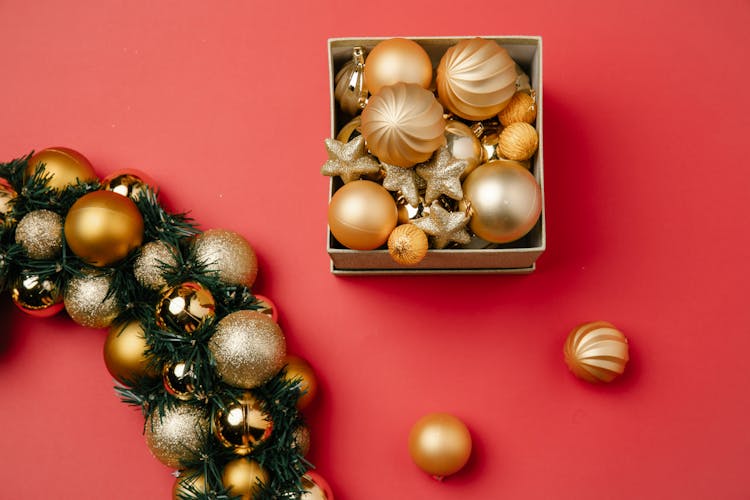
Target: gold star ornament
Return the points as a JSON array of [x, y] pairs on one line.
[[349, 160], [443, 175], [405, 181], [444, 226]]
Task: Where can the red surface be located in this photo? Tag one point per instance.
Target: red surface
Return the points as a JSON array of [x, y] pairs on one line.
[[226, 105]]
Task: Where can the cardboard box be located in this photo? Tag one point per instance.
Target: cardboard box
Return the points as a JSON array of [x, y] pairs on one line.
[[517, 257]]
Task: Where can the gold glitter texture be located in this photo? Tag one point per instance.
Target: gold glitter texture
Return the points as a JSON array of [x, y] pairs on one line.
[[176, 435], [443, 175], [87, 303], [229, 255], [40, 234], [444, 226], [148, 267], [349, 160]]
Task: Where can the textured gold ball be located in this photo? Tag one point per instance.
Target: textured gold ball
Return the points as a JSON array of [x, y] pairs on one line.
[[407, 244], [300, 370], [242, 476], [103, 227], [65, 165], [249, 348], [315, 487], [36, 296], [440, 444], [189, 483], [40, 234], [185, 308], [301, 437], [463, 144], [153, 258], [397, 60], [596, 351], [125, 353], [361, 215], [518, 141], [179, 380], [130, 183], [520, 108], [243, 425], [88, 300], [178, 435], [228, 254]]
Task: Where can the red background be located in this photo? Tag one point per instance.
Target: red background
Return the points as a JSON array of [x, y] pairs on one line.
[[226, 105]]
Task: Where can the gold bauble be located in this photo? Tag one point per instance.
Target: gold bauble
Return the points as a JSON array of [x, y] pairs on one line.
[[476, 79], [403, 124], [266, 306], [228, 254], [125, 353], [300, 370], [35, 296], [407, 244], [520, 108], [148, 267], [351, 130], [397, 60], [88, 300], [185, 307], [7, 197], [504, 201], [178, 435], [40, 233], [349, 85], [315, 487], [103, 227], [130, 183], [249, 348], [301, 440], [361, 215], [179, 380], [66, 166], [242, 476], [518, 141], [243, 425], [187, 484], [462, 144], [440, 444], [596, 351]]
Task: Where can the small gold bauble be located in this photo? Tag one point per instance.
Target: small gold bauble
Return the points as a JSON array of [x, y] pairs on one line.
[[301, 440], [243, 477], [407, 244], [243, 425], [596, 351], [518, 141], [66, 166], [315, 487], [36, 296], [179, 380], [440, 444], [349, 86], [520, 108], [185, 307], [125, 353], [40, 234], [88, 300], [188, 484], [148, 267], [130, 183], [178, 435], [266, 306], [462, 144], [7, 197], [103, 227], [361, 215], [300, 370], [350, 130], [397, 60], [228, 254]]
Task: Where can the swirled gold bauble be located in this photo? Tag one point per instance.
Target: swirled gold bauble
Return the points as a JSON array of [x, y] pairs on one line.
[[129, 182], [397, 60], [361, 215], [185, 307], [596, 351], [462, 144], [148, 267], [103, 227], [228, 254], [300, 370], [440, 444], [125, 353], [89, 302], [242, 476], [40, 233], [65, 165], [179, 380], [188, 484], [36, 296], [177, 435], [243, 425], [315, 487], [476, 79], [403, 124]]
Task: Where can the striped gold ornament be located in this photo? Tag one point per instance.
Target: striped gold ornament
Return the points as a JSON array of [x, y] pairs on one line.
[[596, 351]]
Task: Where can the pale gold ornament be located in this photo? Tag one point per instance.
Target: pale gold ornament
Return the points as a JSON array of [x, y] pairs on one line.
[[65, 165], [444, 226], [361, 215], [89, 302], [188, 483], [443, 175], [153, 258], [521, 108], [440, 444], [407, 244], [596, 351], [397, 60], [228, 254], [125, 353], [243, 477], [518, 141], [349, 160], [349, 85], [462, 144], [178, 435], [40, 234], [242, 426]]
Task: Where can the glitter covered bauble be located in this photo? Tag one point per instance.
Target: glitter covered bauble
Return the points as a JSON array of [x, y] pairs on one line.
[[243, 425], [177, 435], [242, 476], [301, 440], [300, 370], [403, 124], [407, 244], [125, 353], [440, 444], [185, 307], [361, 215], [148, 267], [188, 484], [349, 84], [40, 234], [476, 78], [397, 60], [518, 141], [36, 296], [503, 200], [65, 165], [179, 380], [596, 351], [315, 487], [248, 347], [129, 182], [103, 227], [462, 144], [88, 300], [228, 254]]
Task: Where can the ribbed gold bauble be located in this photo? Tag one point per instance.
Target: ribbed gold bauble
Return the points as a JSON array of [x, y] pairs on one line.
[[520, 108], [131, 183], [185, 307], [179, 380], [596, 351], [243, 425], [103, 227], [361, 215], [177, 435], [440, 444], [125, 353], [242, 476], [518, 141], [88, 301], [40, 233], [36, 296], [187, 484], [315, 487], [300, 370], [148, 267], [228, 254], [64, 164], [407, 244], [463, 145], [397, 60]]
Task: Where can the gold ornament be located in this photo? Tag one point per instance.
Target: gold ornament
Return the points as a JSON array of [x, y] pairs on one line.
[[301, 440], [349, 160], [40, 234], [265, 306], [130, 183], [243, 477], [125, 353], [440, 444], [407, 211], [462, 144], [444, 226], [503, 200], [397, 60], [350, 130], [300, 370], [228, 254], [153, 258], [179, 380], [488, 133], [403, 181], [518, 141], [443, 176], [88, 300], [361, 215], [403, 124], [242, 426], [185, 307], [7, 197], [407, 244], [103, 227], [65, 165], [349, 87], [520, 108], [36, 296], [178, 435], [248, 347], [596, 351], [187, 484], [315, 487], [476, 79]]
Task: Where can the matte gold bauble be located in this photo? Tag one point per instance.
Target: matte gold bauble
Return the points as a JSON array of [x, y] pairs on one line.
[[249, 348], [361, 215], [40, 233], [596, 351], [228, 254], [315, 487], [403, 124], [179, 380], [243, 425], [407, 244], [440, 444], [520, 108], [462, 144], [266, 306], [103, 227], [349, 85], [125, 353], [89, 302], [242, 476], [153, 258], [300, 370], [188, 484], [185, 308], [130, 183], [504, 201], [35, 296], [178, 435], [65, 165], [518, 141], [397, 60]]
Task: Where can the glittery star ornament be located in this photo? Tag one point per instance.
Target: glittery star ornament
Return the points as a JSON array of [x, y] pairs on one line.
[[444, 226], [403, 180], [443, 175], [349, 160]]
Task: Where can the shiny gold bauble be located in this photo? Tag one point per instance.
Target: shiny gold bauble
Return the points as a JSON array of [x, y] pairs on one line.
[[596, 351], [7, 197], [131, 183], [315, 487], [349, 86], [178, 435], [476, 79], [302, 440], [125, 353], [89, 302], [242, 476], [103, 227], [407, 244], [40, 233], [520, 108], [249, 348], [351, 130], [518, 141], [65, 165], [300, 370], [463, 145], [243, 425], [361, 215], [397, 60], [228, 254], [35, 296], [179, 380], [440, 444], [504, 201], [148, 267], [187, 484], [185, 308], [266, 306], [403, 124]]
